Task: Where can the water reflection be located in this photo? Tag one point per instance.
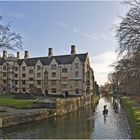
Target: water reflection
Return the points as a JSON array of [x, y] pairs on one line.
[[113, 125], [105, 115], [77, 124], [84, 123]]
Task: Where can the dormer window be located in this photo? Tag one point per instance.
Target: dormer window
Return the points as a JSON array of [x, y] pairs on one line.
[[76, 65], [16, 68], [76, 74], [38, 67], [64, 70], [53, 67], [4, 67], [23, 68]]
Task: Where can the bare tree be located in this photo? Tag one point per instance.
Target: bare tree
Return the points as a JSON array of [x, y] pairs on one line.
[[128, 32], [126, 77], [9, 40]]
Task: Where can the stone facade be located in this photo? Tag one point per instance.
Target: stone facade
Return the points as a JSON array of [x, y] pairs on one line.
[[47, 75]]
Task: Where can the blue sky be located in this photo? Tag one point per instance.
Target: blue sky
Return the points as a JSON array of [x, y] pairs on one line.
[[88, 25]]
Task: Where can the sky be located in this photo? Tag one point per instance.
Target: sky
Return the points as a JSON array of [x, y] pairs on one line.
[[89, 25]]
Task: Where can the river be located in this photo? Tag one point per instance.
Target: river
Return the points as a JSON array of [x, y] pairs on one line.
[[85, 123]]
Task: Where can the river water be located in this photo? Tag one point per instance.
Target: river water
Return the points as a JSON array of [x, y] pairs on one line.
[[86, 122]]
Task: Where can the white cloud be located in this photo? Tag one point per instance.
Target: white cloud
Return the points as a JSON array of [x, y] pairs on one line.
[[102, 65], [87, 35]]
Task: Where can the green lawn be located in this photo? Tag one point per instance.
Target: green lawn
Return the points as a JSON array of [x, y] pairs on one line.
[[9, 101], [133, 114]]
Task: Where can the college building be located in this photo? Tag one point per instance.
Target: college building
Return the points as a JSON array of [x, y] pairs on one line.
[[54, 74]]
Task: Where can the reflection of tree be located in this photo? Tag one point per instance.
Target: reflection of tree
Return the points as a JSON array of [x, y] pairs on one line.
[[108, 99]]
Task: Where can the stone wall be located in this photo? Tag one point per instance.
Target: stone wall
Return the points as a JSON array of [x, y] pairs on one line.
[[69, 104], [63, 106], [24, 118]]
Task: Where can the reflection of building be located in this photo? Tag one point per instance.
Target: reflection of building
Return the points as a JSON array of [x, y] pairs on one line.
[[53, 74]]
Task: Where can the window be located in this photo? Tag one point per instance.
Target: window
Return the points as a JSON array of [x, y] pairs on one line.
[[16, 89], [23, 68], [77, 91], [38, 67], [8, 68], [4, 88], [30, 85], [16, 75], [45, 75], [30, 79], [23, 89], [53, 90], [76, 74], [23, 75], [53, 82], [53, 67], [38, 75], [39, 82], [64, 86], [64, 70], [4, 74], [23, 82], [4, 81], [30, 71], [16, 82], [16, 68], [76, 83], [4, 67], [13, 68], [53, 74], [76, 66], [64, 78]]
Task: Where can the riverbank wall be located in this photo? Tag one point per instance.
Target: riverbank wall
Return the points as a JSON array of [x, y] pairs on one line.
[[61, 107], [133, 114], [67, 105]]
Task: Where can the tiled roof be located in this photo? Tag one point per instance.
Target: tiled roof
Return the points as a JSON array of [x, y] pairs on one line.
[[61, 59]]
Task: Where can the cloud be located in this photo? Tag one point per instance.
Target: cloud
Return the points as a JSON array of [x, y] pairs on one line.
[[88, 35], [102, 65]]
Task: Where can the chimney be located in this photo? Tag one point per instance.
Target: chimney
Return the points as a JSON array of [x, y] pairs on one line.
[[26, 56], [4, 54], [50, 52], [18, 55], [73, 49]]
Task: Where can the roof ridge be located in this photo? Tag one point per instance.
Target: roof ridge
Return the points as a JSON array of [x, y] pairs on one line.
[[53, 56]]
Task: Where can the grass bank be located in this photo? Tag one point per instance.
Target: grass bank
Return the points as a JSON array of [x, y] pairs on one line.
[[133, 114], [9, 101]]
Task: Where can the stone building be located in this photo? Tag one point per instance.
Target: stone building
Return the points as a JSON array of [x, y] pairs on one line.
[[47, 75]]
